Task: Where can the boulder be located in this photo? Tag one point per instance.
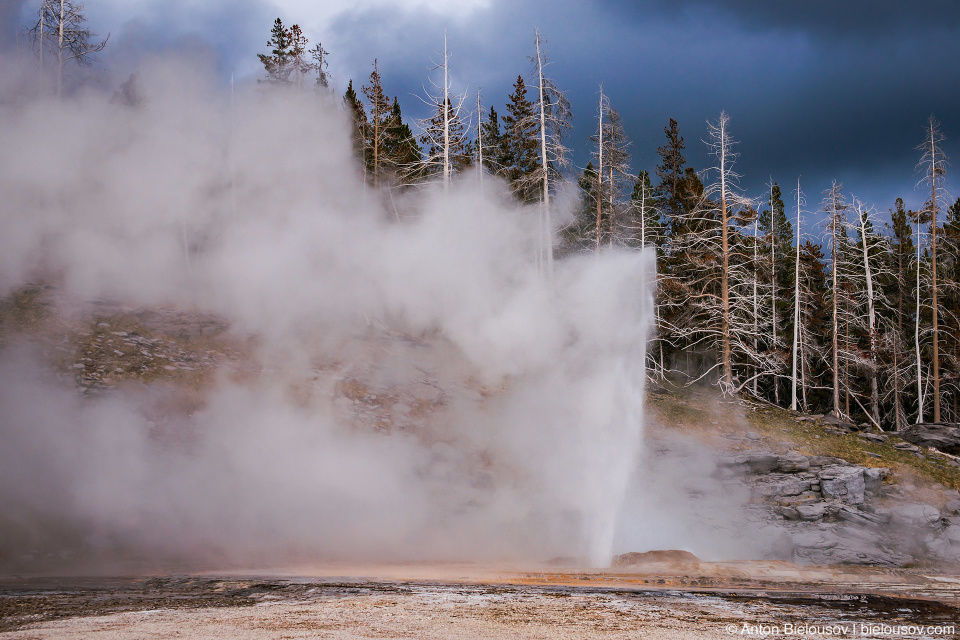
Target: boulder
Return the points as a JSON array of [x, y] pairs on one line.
[[944, 436], [916, 514], [781, 485], [873, 479], [845, 483], [792, 462], [815, 511]]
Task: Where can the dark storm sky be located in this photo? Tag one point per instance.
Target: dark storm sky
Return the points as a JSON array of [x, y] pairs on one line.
[[816, 89]]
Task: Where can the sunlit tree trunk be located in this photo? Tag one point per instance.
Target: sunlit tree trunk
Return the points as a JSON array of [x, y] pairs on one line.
[[796, 311], [871, 316]]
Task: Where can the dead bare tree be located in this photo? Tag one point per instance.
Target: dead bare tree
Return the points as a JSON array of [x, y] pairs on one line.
[[933, 166], [444, 133], [554, 122], [61, 25]]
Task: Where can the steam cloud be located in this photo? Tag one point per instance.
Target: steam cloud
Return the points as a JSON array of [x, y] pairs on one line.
[[250, 207]]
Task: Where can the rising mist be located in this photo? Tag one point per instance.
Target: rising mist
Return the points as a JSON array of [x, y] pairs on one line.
[[249, 205]]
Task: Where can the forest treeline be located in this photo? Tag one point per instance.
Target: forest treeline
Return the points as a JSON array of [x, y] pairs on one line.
[[818, 303], [814, 304]]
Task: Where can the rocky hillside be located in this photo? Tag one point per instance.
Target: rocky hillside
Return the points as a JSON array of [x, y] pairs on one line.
[[771, 483], [826, 492]]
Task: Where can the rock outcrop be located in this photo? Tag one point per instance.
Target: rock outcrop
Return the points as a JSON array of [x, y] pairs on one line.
[[836, 512], [940, 435]]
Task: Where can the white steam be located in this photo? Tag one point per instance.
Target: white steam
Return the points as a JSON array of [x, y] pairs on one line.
[[252, 209]]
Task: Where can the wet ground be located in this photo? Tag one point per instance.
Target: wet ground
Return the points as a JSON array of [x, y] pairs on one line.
[[714, 601]]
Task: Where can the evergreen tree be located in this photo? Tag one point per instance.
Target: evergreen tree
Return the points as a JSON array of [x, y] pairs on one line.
[[279, 62], [358, 118], [670, 192], [402, 155], [298, 55], [578, 236], [493, 143], [775, 272], [321, 63], [521, 145], [379, 122], [898, 288]]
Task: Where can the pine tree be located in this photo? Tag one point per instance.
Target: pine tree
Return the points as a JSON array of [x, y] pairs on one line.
[[778, 245], [493, 143], [898, 287], [401, 154], [521, 145], [670, 191], [298, 55], [358, 119], [320, 64], [379, 121], [279, 62], [578, 235]]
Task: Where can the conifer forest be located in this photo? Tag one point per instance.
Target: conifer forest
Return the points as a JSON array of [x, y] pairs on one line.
[[817, 302]]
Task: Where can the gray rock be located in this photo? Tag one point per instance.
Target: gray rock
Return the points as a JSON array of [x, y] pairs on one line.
[[792, 462], [873, 479], [780, 485], [815, 539], [873, 437], [811, 512], [791, 513], [823, 461], [906, 446], [952, 534], [843, 483], [953, 507], [916, 514], [943, 436], [761, 461], [863, 517]]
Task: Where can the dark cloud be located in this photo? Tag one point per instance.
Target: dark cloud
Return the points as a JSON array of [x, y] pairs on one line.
[[826, 18], [823, 90], [820, 90]]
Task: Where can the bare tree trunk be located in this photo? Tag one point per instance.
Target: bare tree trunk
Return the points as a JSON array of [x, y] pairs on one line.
[[611, 205], [446, 117], [846, 365], [836, 327], [643, 214], [60, 52], [479, 142], [773, 293], [544, 161], [600, 170], [933, 226], [756, 306], [43, 11], [796, 311], [872, 319], [724, 279], [916, 336]]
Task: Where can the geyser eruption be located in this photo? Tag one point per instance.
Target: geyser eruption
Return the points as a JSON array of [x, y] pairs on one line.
[[253, 210]]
